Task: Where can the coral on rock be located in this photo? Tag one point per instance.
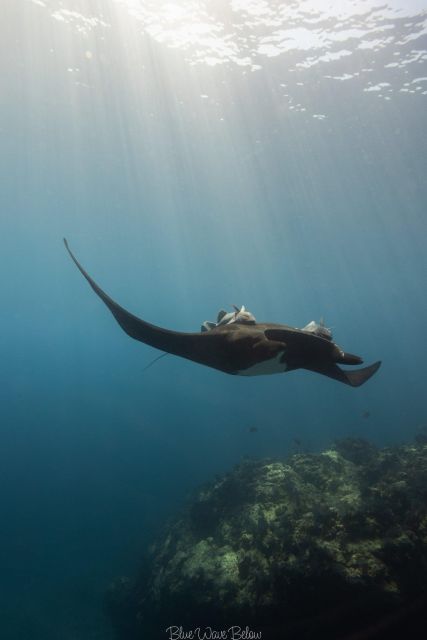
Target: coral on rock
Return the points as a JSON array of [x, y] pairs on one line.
[[314, 546]]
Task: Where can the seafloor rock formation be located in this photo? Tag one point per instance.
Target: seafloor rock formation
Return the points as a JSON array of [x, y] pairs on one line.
[[315, 546]]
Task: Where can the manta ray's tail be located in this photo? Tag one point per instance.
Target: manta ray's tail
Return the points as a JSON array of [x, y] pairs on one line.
[[353, 378]]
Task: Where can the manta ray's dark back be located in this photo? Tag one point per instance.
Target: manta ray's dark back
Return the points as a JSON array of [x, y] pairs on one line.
[[242, 349]]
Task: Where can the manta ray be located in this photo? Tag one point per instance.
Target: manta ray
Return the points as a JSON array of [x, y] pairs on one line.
[[243, 348]]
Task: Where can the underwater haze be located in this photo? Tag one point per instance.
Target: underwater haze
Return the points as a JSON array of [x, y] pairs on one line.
[[195, 155]]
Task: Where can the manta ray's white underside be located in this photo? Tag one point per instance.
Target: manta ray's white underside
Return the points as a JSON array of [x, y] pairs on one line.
[[268, 367]]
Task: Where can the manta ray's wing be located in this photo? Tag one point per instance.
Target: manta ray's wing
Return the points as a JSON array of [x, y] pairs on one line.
[[192, 346], [353, 378]]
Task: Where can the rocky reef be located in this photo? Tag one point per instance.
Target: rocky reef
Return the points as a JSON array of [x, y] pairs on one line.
[[328, 545]]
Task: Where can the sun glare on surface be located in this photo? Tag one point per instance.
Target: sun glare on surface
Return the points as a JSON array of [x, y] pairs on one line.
[[381, 46]]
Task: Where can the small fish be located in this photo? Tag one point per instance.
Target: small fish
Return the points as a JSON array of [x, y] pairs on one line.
[[297, 441], [253, 429], [366, 414]]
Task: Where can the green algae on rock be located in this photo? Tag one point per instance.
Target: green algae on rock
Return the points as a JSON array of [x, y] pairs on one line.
[[314, 546]]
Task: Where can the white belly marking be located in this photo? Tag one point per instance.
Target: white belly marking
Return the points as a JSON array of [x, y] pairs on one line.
[[267, 367]]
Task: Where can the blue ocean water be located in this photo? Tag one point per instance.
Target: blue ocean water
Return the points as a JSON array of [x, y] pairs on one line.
[[195, 155]]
